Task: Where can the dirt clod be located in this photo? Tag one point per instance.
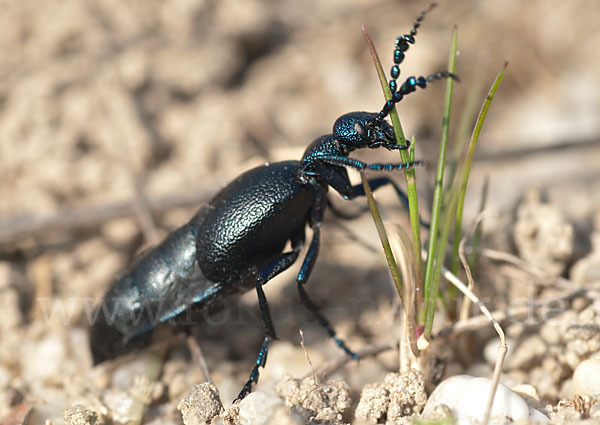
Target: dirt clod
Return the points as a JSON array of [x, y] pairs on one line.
[[201, 405], [79, 415], [542, 235], [587, 269], [325, 402], [397, 397]]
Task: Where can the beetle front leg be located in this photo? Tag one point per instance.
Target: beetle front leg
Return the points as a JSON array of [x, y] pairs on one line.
[[376, 183]]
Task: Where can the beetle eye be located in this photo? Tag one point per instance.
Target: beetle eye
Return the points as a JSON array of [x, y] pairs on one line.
[[360, 129]]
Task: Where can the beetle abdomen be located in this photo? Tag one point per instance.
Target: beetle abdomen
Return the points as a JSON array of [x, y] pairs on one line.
[[162, 284]]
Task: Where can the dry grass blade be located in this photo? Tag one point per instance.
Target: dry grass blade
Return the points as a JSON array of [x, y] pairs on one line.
[[478, 322], [454, 280], [464, 311], [503, 347], [312, 369], [591, 289], [199, 358], [385, 243], [402, 248], [528, 268], [327, 368]]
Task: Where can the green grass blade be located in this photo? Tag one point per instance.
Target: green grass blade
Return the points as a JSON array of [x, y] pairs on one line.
[[440, 255], [439, 177], [465, 125], [466, 168], [477, 234], [411, 186], [385, 243]]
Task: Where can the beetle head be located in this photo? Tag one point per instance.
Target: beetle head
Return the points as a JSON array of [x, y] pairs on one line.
[[359, 130]]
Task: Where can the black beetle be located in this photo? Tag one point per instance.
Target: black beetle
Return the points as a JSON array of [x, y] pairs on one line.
[[236, 242]]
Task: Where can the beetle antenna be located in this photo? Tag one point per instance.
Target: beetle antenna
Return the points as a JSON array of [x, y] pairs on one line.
[[409, 86], [402, 43]]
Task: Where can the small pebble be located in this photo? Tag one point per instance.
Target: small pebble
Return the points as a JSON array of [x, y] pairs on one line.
[[259, 408], [126, 373], [5, 377], [9, 305], [201, 404], [587, 269], [123, 408], [528, 392], [523, 353], [43, 360], [467, 396], [231, 416], [79, 415], [44, 414], [285, 356], [586, 378]]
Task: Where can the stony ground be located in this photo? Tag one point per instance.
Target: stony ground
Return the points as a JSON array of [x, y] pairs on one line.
[[117, 119]]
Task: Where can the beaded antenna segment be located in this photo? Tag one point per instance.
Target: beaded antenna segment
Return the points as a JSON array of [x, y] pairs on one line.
[[402, 44]]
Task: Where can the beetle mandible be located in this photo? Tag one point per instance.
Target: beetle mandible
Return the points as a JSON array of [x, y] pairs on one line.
[[236, 242]]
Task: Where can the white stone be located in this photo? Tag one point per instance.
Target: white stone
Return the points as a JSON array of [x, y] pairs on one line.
[[467, 397], [44, 359], [123, 408], [586, 378], [258, 408], [125, 373]]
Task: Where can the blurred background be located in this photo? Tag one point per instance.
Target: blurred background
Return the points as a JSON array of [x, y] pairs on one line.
[[112, 113], [185, 94]]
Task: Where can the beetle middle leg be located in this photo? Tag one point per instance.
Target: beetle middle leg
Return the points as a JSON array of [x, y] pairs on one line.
[[305, 270], [307, 267], [342, 184]]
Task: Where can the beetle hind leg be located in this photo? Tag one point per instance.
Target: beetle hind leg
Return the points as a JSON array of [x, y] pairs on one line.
[[281, 263]]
